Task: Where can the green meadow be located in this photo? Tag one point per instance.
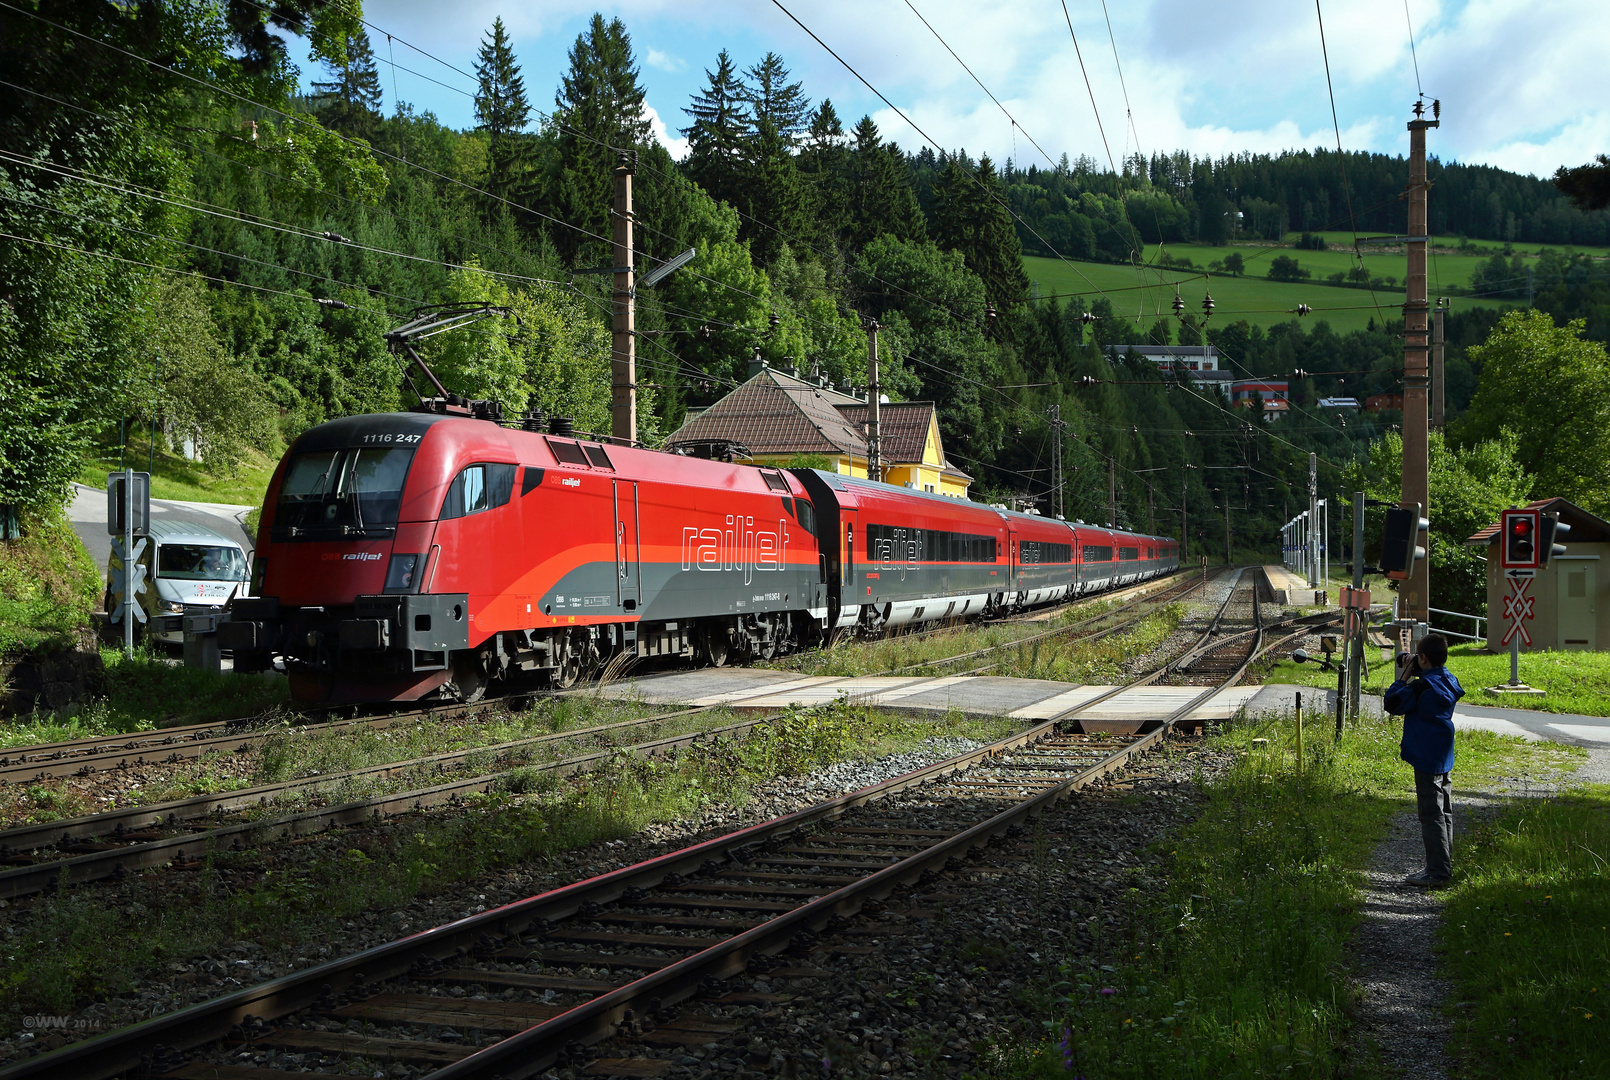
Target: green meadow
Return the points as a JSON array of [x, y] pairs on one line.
[[1146, 295]]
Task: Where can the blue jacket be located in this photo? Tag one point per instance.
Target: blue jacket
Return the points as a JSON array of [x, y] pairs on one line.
[[1426, 705]]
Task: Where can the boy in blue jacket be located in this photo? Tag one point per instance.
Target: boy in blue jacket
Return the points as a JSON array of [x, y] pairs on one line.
[[1424, 695]]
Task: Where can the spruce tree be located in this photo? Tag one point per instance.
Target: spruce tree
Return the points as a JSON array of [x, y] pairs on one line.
[[774, 100], [599, 113], [349, 101], [880, 196], [501, 107], [719, 131], [971, 217], [823, 169]]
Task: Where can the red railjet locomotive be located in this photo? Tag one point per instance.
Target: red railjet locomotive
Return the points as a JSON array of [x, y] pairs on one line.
[[405, 555]]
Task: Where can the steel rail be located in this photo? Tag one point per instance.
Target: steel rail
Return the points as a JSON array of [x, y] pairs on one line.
[[133, 818], [116, 1051], [80, 757], [539, 1046], [103, 753], [116, 861]]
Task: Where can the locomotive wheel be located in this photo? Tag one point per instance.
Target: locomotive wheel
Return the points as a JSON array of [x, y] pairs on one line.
[[469, 681], [572, 661], [715, 646]]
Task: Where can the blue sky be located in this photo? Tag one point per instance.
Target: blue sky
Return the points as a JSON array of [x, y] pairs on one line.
[[1522, 83]]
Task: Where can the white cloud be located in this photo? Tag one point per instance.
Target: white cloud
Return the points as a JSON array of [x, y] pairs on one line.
[[1521, 81], [676, 144], [664, 61]]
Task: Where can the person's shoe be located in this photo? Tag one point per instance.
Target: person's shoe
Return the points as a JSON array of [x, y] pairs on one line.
[[1424, 879]]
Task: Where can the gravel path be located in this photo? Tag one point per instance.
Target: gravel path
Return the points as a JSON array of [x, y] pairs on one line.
[[1401, 997]]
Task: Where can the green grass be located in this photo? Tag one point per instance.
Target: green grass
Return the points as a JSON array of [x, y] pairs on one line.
[[74, 946], [187, 481], [1443, 246], [1236, 964], [1574, 682], [48, 586], [1252, 297], [153, 690], [1526, 938]]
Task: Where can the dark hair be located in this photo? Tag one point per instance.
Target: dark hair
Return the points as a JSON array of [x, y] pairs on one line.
[[1434, 647]]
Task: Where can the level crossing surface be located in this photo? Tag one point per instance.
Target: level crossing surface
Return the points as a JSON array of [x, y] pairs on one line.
[[975, 695]]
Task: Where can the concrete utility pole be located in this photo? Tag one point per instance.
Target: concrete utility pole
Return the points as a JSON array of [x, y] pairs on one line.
[[1112, 493], [623, 337], [874, 439], [1055, 412], [1228, 559], [1416, 591], [1439, 385], [1184, 519], [1310, 539]]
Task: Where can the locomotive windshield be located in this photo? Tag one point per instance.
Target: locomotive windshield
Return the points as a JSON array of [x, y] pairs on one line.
[[334, 493]]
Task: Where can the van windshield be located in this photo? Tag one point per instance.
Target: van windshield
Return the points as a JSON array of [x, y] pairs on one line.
[[201, 562], [342, 492]]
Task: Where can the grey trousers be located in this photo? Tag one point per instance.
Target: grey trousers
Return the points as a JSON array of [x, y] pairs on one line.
[[1433, 795]]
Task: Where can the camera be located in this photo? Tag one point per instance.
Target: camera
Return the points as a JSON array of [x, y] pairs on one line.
[[1408, 665]]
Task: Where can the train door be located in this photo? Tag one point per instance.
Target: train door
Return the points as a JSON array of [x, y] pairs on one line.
[[628, 582]]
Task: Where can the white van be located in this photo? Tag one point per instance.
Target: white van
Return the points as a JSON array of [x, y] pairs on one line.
[[192, 570]]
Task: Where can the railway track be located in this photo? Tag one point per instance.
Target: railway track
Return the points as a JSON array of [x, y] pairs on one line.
[[103, 753], [620, 955], [1080, 631], [35, 857]]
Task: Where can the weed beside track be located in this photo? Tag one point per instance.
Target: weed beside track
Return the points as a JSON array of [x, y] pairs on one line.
[[299, 903]]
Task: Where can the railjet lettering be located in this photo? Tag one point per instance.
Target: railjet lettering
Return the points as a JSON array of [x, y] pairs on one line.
[[739, 547]]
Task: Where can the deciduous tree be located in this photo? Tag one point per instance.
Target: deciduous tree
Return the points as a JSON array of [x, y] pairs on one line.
[[1552, 388]]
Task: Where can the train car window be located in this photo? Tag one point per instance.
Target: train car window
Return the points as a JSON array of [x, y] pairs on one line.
[[1128, 554], [775, 481], [477, 488], [530, 479], [1097, 553], [568, 452], [931, 545], [1038, 551], [805, 513], [596, 455]]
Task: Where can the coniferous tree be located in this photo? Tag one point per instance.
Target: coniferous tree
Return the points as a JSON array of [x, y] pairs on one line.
[[771, 195], [880, 197], [349, 101], [971, 217], [600, 115], [501, 107], [823, 167], [774, 100], [719, 131]]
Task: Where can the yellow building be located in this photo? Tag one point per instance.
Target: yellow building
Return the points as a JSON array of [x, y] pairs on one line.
[[777, 416]]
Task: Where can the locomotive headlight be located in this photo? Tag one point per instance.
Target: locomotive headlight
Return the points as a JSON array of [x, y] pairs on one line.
[[172, 607], [402, 574]]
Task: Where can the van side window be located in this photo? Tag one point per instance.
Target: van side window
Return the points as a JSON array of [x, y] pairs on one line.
[[476, 488]]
